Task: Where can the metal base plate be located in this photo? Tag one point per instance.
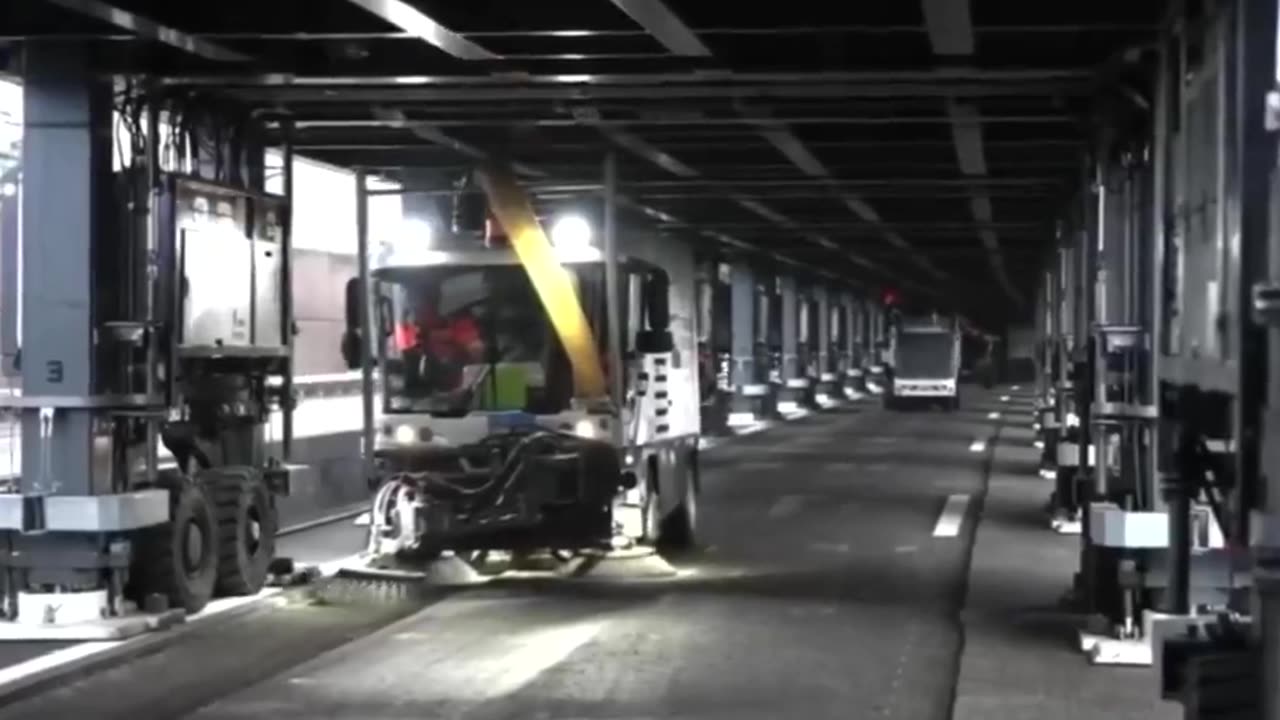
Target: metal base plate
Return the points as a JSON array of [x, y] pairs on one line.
[[121, 628], [1134, 652], [1099, 642], [1064, 524]]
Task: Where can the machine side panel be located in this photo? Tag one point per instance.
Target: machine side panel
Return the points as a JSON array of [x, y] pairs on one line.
[[677, 259]]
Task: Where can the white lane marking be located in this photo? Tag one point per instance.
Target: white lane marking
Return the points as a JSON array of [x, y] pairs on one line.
[[905, 549], [829, 547], [55, 659], [952, 516], [978, 446], [786, 505]]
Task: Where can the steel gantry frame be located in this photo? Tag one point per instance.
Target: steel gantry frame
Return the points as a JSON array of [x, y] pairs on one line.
[[1168, 414], [923, 271]]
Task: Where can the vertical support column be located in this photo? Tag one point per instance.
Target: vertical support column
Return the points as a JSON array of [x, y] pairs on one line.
[[10, 240], [793, 381], [825, 391], [67, 201], [365, 289], [745, 404], [612, 281], [66, 185], [853, 365]]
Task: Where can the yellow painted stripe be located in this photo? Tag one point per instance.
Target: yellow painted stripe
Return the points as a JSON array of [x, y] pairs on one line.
[[510, 204]]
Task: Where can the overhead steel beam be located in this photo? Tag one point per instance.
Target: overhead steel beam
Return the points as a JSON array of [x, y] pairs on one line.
[[927, 184], [683, 121], [954, 74], [950, 27], [727, 144], [658, 20], [781, 137], [149, 29], [807, 30], [434, 135], [798, 91], [966, 132], [642, 148], [419, 24]]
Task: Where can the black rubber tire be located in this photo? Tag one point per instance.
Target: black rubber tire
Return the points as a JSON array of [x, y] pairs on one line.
[[160, 560], [680, 528], [247, 526], [651, 518]]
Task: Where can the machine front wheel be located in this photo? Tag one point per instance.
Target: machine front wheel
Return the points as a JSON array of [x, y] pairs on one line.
[[179, 559], [680, 528], [247, 526]]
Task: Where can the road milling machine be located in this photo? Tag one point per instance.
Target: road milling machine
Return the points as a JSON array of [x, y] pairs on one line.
[[539, 391], [152, 340]]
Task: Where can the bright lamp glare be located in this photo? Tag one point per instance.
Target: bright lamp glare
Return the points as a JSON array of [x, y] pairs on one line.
[[417, 232], [8, 190], [585, 429], [571, 232]]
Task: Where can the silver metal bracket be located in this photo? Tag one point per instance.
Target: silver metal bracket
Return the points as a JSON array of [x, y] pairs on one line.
[[1264, 534], [1272, 115], [1266, 303], [1126, 410], [1116, 337]]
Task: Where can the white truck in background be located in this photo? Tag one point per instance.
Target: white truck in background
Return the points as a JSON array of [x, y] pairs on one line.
[[924, 362]]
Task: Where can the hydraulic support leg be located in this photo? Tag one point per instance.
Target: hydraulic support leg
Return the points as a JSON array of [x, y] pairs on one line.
[[63, 529], [1064, 511], [10, 203]]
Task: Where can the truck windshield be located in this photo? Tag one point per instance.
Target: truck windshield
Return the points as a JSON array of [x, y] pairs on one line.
[[924, 355], [464, 338]]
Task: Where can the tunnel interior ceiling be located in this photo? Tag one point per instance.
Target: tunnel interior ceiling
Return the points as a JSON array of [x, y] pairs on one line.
[[848, 137]]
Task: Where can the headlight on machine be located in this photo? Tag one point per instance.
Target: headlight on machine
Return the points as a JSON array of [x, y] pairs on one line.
[[405, 434], [586, 429]]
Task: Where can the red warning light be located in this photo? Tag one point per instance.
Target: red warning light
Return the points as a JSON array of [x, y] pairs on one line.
[[890, 297]]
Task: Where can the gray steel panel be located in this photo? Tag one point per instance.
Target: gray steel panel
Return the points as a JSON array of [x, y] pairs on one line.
[[11, 512], [217, 306], [106, 513], [91, 513], [267, 295]]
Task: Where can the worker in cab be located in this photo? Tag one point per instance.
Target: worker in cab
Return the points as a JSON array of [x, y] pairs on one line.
[[441, 346]]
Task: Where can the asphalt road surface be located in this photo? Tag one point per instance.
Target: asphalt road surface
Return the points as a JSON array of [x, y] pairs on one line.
[[829, 586]]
